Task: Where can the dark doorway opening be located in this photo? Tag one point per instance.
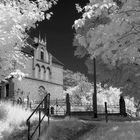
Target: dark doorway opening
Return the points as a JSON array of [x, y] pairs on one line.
[[7, 90], [0, 92]]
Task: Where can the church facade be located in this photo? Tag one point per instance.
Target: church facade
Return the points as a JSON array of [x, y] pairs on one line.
[[45, 74]]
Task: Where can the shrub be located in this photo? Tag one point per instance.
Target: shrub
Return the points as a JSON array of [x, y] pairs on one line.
[[13, 117], [3, 113]]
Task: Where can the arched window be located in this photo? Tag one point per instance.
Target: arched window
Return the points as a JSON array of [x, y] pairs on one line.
[[47, 56], [42, 54], [37, 71], [48, 73], [42, 73], [41, 91], [37, 54]]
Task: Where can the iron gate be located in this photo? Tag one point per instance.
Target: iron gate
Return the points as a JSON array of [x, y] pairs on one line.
[[58, 107]]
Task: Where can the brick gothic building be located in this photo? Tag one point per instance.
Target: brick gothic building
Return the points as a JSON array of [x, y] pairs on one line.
[[44, 71]]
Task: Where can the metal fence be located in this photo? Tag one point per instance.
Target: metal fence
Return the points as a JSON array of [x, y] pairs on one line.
[[24, 104], [58, 107], [80, 107], [75, 107], [111, 109]]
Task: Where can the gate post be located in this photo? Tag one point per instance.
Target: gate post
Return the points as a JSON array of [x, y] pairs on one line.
[[52, 110], [47, 104], [122, 107], [106, 113], [67, 105]]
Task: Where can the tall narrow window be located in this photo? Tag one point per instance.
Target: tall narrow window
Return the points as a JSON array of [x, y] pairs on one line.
[[42, 73], [37, 71], [42, 54], [48, 73], [47, 56]]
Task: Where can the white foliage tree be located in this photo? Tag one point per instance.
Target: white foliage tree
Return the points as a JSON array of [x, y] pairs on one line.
[[17, 17], [83, 93], [109, 30]]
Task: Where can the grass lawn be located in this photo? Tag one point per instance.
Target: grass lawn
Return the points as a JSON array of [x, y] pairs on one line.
[[114, 131], [74, 129], [13, 127], [84, 130], [13, 120]]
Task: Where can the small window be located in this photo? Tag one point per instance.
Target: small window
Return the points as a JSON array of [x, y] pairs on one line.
[[42, 54], [47, 57]]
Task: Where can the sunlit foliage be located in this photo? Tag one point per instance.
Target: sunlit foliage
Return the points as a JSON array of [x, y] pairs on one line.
[[109, 30], [17, 17], [72, 79]]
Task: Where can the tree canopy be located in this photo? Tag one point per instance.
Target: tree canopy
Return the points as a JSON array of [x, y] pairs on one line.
[[83, 92], [72, 79], [17, 17], [109, 30]]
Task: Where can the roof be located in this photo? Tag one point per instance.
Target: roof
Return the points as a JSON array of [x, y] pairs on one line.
[[56, 61], [28, 50]]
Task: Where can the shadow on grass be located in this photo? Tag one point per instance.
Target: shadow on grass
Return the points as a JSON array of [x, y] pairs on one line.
[[75, 129], [16, 135], [67, 129]]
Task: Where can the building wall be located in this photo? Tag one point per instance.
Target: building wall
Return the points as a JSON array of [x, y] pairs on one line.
[[30, 87], [57, 74]]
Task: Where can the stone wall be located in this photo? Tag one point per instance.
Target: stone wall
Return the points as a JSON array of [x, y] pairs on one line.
[[57, 74], [30, 87]]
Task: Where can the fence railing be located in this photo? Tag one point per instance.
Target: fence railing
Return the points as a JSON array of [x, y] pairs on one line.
[[44, 106], [19, 101], [80, 107], [111, 109], [88, 107], [58, 107]]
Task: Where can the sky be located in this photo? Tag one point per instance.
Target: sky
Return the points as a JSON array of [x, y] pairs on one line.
[[59, 34]]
